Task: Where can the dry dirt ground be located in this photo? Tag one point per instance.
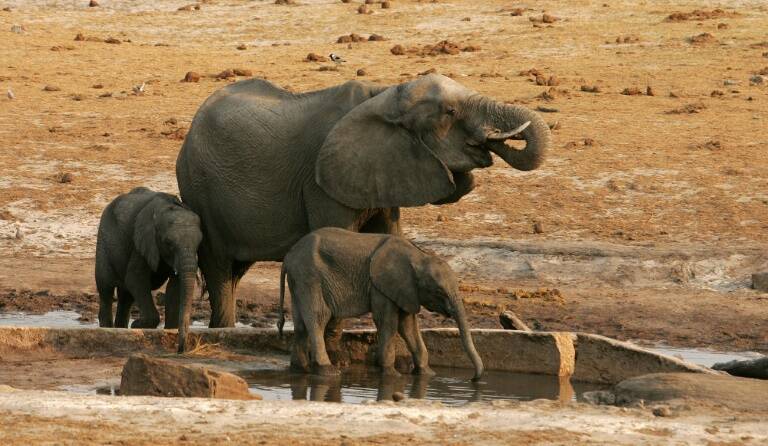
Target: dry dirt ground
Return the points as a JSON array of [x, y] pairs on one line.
[[653, 208]]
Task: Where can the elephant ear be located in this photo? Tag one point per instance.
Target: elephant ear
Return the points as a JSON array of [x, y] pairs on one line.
[[144, 236], [393, 275], [370, 159]]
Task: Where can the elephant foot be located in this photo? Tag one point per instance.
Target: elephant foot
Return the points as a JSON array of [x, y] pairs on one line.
[[298, 367], [423, 371], [390, 371], [326, 370], [143, 323]]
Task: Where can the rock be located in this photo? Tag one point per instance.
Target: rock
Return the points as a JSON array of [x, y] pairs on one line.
[[93, 4], [547, 18], [51, 88], [600, 397], [312, 57], [192, 7], [590, 88], [242, 47], [722, 390], [729, 82], [758, 79], [363, 9], [397, 396], [760, 282], [510, 321], [242, 72], [661, 411], [226, 74], [397, 50], [362, 72], [18, 29], [386, 4], [64, 177], [632, 91], [604, 360], [285, 2], [376, 38], [143, 375], [538, 227], [113, 41], [516, 12], [750, 368], [649, 91]]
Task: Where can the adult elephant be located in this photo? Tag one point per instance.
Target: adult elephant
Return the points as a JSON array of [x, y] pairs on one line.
[[262, 166]]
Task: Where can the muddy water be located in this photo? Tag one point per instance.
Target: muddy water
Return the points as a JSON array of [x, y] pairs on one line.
[[450, 386], [50, 319]]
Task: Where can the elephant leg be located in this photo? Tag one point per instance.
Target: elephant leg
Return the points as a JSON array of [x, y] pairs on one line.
[[218, 279], [172, 303], [385, 316], [124, 303], [299, 355], [106, 296], [408, 327], [333, 331], [138, 283], [321, 361], [385, 221]]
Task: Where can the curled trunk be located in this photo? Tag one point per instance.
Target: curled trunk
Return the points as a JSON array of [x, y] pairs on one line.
[[466, 338], [500, 118]]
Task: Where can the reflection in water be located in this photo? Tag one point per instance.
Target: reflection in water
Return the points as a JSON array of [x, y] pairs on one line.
[[451, 386]]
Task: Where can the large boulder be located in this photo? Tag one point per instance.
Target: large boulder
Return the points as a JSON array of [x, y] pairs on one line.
[[718, 390], [750, 368], [143, 375]]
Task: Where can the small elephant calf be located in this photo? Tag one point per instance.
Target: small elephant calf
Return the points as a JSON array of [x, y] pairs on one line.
[[145, 238], [335, 274]]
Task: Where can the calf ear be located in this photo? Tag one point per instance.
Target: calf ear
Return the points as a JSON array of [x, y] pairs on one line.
[[393, 275], [144, 236]]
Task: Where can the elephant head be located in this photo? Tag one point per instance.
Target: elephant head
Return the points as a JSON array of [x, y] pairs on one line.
[[166, 230], [403, 146], [412, 278]]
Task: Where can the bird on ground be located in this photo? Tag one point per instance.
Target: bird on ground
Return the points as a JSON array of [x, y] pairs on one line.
[[139, 89], [336, 58]]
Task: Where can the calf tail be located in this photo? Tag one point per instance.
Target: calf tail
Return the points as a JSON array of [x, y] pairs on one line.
[[281, 319]]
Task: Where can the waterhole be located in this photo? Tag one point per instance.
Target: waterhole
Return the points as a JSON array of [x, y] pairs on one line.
[[450, 386]]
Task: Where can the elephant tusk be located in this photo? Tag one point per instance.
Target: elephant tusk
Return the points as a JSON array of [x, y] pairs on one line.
[[497, 136]]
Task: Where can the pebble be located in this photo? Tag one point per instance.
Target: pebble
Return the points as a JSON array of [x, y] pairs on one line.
[[191, 76], [662, 411]]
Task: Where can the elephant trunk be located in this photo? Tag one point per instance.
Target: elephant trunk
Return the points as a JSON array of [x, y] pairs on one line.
[[187, 284], [466, 337], [499, 122]]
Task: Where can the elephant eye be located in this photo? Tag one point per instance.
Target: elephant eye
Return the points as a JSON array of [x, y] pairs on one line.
[[450, 111]]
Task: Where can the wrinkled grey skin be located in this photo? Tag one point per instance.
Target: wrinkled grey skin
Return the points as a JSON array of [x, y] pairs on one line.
[[262, 166], [144, 239], [335, 274]]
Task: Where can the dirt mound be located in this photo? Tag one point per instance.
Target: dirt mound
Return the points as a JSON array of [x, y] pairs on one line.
[[440, 48], [702, 39], [700, 14]]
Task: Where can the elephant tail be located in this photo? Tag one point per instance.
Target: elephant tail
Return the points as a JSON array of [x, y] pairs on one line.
[[281, 319]]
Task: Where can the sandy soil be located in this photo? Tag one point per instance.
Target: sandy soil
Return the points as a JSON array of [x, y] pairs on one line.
[[195, 421]]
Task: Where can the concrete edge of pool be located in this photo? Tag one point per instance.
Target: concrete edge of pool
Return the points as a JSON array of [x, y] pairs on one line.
[[581, 356]]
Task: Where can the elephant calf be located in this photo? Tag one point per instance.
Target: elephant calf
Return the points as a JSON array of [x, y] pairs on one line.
[[335, 274], [145, 238]]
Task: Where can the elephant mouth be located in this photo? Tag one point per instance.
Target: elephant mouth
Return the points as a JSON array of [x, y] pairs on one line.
[[493, 140]]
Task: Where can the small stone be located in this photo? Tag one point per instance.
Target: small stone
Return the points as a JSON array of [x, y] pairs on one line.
[[363, 9], [312, 57], [242, 72], [547, 18], [649, 91], [362, 72], [242, 47], [729, 82], [64, 177], [590, 88], [386, 4], [78, 97], [376, 38], [516, 12], [51, 88], [192, 7], [226, 74], [398, 396], [440, 217], [397, 50], [113, 41], [538, 228], [758, 79], [93, 4], [589, 142], [662, 411]]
